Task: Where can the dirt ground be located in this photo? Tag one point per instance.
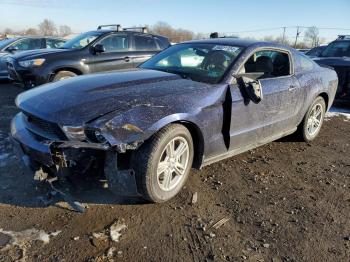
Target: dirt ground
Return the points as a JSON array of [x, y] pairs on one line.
[[286, 201]]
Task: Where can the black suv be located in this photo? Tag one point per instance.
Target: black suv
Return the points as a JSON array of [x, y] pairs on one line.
[[15, 45], [95, 51], [337, 56]]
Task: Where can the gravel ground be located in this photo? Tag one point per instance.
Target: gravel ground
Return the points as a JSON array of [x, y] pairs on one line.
[[286, 201]]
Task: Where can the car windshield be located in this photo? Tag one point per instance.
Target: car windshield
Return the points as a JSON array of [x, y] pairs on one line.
[[316, 51], [337, 49], [81, 41], [196, 61]]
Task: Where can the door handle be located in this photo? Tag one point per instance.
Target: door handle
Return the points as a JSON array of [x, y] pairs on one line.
[[292, 87], [127, 59]]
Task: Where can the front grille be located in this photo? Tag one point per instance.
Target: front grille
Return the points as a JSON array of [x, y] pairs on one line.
[[44, 128], [11, 70]]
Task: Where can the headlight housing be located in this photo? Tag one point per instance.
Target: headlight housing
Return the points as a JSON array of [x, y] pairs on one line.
[[76, 133], [32, 63], [95, 135]]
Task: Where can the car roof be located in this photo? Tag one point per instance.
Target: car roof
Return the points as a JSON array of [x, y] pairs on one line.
[[106, 31], [237, 42], [35, 36]]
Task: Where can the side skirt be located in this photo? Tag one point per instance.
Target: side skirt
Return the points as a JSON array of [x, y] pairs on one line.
[[243, 149]]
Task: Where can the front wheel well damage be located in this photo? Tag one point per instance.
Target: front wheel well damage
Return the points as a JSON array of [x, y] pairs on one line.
[[198, 144]]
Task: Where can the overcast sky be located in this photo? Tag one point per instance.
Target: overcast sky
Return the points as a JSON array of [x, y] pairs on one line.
[[197, 15]]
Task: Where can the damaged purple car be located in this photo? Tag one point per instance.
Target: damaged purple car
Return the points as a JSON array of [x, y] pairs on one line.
[[191, 105]]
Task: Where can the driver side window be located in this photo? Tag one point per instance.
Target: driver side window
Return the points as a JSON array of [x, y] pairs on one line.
[[115, 43], [267, 64], [27, 44]]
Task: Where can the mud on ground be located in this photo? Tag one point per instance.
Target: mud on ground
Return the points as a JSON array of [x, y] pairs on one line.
[[286, 201]]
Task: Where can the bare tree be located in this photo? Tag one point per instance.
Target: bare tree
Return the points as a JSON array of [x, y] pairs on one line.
[[8, 31], [175, 35], [65, 30], [31, 31], [312, 36], [47, 27]]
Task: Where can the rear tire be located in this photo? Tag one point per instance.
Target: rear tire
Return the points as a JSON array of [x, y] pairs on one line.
[[313, 120], [163, 163], [63, 75]]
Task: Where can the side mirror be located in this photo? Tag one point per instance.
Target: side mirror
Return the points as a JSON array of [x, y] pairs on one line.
[[12, 49], [253, 88], [99, 49]]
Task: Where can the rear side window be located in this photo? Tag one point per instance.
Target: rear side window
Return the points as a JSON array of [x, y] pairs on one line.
[[28, 44], [145, 43], [115, 43], [54, 43], [306, 63], [162, 44]]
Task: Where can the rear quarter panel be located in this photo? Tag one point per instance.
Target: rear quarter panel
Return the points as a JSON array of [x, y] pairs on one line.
[[315, 82]]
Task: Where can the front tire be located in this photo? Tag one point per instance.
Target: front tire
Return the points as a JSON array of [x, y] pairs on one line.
[[63, 75], [163, 163], [313, 120]]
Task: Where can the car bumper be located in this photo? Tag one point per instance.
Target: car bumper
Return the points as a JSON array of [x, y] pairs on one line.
[[54, 155], [25, 77], [27, 146], [46, 152], [4, 75]]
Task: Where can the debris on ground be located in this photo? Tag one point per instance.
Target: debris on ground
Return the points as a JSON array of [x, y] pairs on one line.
[[113, 232], [194, 198], [220, 223]]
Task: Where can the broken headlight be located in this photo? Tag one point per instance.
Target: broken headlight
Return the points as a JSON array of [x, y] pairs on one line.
[[95, 135], [76, 133]]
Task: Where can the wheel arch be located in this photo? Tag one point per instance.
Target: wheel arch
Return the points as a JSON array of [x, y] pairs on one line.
[[198, 141], [71, 69], [325, 96]]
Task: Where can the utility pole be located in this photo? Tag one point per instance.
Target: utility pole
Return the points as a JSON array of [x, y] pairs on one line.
[[284, 34], [296, 37]]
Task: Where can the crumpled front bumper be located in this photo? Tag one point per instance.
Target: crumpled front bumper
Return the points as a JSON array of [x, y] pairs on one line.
[[41, 151], [27, 146], [52, 154]]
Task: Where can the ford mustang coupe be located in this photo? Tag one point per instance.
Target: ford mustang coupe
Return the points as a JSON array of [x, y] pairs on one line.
[[191, 105]]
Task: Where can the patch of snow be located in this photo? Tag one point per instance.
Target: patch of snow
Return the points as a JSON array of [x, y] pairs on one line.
[[23, 239], [115, 230], [336, 112]]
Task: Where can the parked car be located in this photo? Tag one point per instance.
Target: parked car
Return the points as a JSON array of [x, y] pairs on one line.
[[91, 52], [146, 128], [337, 55], [23, 43], [316, 51]]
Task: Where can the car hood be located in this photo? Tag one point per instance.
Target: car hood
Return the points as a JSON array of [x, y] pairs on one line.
[[37, 53], [81, 99], [333, 61]]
